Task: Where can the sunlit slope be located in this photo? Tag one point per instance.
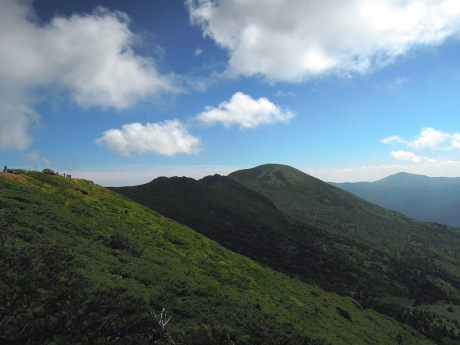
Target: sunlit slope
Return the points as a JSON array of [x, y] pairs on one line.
[[422, 247], [419, 257], [81, 264], [390, 279]]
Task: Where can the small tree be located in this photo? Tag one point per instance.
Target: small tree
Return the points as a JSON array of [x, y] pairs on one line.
[[155, 335]]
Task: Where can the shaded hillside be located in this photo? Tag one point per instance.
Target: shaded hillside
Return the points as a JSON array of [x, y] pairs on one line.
[[316, 202], [401, 247], [81, 264], [430, 199], [315, 251]]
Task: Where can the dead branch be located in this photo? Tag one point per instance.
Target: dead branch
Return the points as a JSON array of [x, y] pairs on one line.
[[162, 332]]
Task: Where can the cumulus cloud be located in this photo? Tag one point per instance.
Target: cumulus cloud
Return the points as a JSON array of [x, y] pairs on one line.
[[406, 156], [293, 40], [244, 111], [165, 138], [455, 144], [172, 136], [89, 55], [429, 138]]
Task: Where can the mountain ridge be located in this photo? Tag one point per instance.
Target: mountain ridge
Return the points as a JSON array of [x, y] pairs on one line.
[[429, 199], [80, 263], [319, 233]]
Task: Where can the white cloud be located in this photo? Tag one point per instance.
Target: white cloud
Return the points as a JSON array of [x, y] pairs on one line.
[[406, 156], [198, 51], [280, 93], [90, 55], [455, 144], [391, 140], [35, 156], [293, 40], [165, 138], [244, 111], [429, 138], [15, 116]]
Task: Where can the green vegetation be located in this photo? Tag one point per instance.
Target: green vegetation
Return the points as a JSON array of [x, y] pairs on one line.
[[80, 264], [320, 234], [417, 259]]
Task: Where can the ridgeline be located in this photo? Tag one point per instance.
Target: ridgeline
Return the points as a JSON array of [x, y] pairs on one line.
[[317, 233], [80, 264]]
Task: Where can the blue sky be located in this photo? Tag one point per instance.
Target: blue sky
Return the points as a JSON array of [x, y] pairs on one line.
[[121, 92]]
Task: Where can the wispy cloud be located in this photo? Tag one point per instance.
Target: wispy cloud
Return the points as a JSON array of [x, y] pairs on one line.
[[397, 83], [35, 156], [284, 94], [393, 139], [244, 111], [294, 40], [90, 56], [448, 168]]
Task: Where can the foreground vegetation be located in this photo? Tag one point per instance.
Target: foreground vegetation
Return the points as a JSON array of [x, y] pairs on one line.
[[405, 269], [80, 264]]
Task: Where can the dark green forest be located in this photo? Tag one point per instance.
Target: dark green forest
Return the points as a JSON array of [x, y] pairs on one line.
[[319, 234], [80, 264]]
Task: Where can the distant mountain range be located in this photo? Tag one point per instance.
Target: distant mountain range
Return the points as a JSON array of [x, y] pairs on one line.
[[430, 199], [301, 226]]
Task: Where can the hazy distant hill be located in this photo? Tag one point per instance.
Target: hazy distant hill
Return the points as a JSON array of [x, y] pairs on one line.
[[82, 265], [431, 199], [304, 227]]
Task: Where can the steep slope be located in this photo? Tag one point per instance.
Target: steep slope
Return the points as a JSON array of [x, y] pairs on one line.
[[247, 222], [314, 201], [81, 264], [401, 247], [430, 199]]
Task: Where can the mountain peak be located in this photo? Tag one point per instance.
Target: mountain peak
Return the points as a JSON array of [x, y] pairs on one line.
[[404, 177], [275, 176], [211, 180]]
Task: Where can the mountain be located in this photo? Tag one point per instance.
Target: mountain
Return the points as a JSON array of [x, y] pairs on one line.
[[80, 264], [430, 199], [303, 227]]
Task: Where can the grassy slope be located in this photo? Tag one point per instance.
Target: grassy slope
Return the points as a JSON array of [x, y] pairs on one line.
[[81, 264], [313, 201], [410, 248], [247, 222]]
